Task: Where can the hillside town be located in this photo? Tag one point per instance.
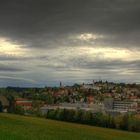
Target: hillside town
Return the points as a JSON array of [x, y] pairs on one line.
[[97, 96]]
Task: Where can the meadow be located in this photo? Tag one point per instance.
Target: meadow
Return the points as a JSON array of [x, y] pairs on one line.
[[16, 127]]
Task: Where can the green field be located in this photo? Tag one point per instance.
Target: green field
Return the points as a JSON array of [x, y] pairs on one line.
[[14, 127]]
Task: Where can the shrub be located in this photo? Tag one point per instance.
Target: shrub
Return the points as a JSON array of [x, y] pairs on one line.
[[125, 122], [1, 107], [19, 110]]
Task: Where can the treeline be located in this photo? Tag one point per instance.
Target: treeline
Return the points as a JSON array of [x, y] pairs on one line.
[[124, 122]]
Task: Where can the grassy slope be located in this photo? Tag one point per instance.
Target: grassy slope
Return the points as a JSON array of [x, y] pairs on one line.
[[14, 127]]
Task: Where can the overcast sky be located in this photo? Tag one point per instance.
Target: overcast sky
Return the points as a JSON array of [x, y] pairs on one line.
[[43, 42]]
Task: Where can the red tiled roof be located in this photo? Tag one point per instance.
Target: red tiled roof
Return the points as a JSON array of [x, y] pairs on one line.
[[21, 99], [24, 103]]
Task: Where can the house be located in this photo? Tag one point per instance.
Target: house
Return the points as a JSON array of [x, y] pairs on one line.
[[90, 99], [25, 103]]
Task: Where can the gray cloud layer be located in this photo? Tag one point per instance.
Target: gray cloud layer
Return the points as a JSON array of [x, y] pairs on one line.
[[6, 68]]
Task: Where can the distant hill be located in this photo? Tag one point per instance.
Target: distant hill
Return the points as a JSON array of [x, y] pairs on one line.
[[15, 127]]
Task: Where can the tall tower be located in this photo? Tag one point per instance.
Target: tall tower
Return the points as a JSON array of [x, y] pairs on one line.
[[60, 84]]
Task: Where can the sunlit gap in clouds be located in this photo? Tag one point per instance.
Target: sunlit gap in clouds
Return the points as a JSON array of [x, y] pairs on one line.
[[104, 52], [110, 53], [89, 36], [96, 53], [8, 47]]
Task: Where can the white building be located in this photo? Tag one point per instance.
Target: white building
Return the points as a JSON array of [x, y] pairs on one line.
[[74, 106], [125, 105]]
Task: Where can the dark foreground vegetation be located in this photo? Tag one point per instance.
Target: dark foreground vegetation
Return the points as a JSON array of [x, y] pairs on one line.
[[124, 122], [128, 122]]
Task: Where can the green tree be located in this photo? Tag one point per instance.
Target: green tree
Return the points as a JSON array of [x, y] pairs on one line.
[[11, 100], [1, 107], [77, 115], [51, 114], [125, 122], [19, 110], [86, 117]]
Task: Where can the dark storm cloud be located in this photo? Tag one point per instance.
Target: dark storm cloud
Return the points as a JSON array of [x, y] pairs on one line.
[[105, 64], [46, 23], [17, 58]]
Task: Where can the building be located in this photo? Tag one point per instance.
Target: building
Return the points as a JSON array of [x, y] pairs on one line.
[[91, 86], [108, 103], [119, 107], [25, 103], [125, 105], [74, 106], [90, 99]]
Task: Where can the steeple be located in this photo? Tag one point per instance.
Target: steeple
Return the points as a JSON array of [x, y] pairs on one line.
[[60, 84]]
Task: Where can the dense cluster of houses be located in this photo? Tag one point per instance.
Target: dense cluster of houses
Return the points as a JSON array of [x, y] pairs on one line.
[[97, 96], [110, 98]]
